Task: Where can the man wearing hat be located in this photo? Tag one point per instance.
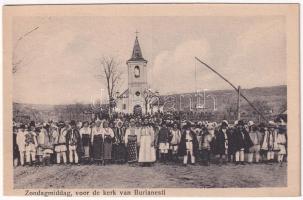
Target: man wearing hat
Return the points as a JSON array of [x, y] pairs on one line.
[[188, 144], [207, 143], [163, 142], [282, 142], [269, 143], [175, 138], [20, 140], [31, 144], [255, 137], [60, 142], [242, 142], [74, 143], [222, 140]]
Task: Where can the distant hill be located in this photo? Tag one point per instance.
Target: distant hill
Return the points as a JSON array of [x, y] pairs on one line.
[[269, 100]]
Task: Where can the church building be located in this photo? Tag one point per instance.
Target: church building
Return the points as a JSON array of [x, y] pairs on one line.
[[132, 99]]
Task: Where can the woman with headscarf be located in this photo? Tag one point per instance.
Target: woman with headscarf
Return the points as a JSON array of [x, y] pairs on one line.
[[108, 137], [119, 150], [131, 142], [147, 153], [85, 134], [97, 141]]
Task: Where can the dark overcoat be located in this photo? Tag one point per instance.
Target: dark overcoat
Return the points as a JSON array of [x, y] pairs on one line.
[[182, 145]]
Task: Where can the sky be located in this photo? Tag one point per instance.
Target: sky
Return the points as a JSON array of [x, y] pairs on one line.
[[61, 59]]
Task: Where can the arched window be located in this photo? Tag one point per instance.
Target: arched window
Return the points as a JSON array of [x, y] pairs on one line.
[[137, 71]]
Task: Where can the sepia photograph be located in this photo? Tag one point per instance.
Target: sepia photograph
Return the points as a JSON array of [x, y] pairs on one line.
[[120, 96]]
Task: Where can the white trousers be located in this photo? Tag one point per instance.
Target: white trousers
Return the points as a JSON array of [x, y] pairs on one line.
[[73, 153], [185, 159], [29, 155], [239, 156], [59, 154], [270, 155], [251, 156], [22, 157]]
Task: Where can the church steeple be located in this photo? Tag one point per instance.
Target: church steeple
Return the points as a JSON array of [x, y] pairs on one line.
[[137, 53]]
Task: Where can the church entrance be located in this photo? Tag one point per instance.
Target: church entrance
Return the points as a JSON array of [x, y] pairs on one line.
[[137, 110]]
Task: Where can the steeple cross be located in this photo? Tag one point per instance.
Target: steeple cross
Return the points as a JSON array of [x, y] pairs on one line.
[[136, 33]]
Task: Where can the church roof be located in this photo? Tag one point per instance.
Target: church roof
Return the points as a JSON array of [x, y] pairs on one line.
[[137, 53], [124, 94]]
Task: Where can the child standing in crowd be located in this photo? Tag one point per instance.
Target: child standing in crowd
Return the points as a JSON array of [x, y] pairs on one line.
[[163, 142]]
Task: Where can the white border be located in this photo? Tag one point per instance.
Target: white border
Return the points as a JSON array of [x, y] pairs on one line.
[[20, 2]]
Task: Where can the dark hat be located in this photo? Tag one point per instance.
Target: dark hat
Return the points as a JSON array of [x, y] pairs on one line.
[[72, 123], [61, 124], [262, 125], [224, 123], [32, 123], [241, 123]]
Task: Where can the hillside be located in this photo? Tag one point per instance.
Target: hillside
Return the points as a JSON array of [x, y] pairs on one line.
[[269, 100]]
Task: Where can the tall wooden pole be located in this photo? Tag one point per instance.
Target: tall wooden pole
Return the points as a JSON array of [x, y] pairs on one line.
[[238, 103], [233, 86]]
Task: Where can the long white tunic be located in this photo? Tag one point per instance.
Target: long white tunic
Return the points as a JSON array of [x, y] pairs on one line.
[[147, 151]]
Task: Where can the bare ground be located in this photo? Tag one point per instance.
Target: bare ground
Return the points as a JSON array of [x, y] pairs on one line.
[[158, 176]]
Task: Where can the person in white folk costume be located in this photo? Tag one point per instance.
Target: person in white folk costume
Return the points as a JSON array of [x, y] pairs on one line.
[[21, 143], [31, 144], [108, 136], [60, 142], [175, 140], [147, 153]]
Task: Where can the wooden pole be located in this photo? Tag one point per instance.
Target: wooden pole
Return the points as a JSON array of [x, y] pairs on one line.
[[233, 86], [238, 103]]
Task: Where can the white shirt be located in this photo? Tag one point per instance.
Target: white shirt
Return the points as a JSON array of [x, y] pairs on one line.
[[21, 140]]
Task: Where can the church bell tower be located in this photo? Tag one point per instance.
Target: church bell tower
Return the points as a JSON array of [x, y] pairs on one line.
[[137, 79]]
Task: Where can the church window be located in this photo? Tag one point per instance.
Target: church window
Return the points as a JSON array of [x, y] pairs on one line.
[[138, 93], [137, 71], [124, 106]]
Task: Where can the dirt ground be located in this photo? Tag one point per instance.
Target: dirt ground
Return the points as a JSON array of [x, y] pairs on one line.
[[158, 176]]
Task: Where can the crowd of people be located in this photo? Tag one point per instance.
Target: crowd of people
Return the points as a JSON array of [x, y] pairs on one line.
[[148, 139]]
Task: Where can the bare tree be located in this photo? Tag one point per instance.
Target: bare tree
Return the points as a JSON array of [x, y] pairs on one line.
[[111, 74]]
